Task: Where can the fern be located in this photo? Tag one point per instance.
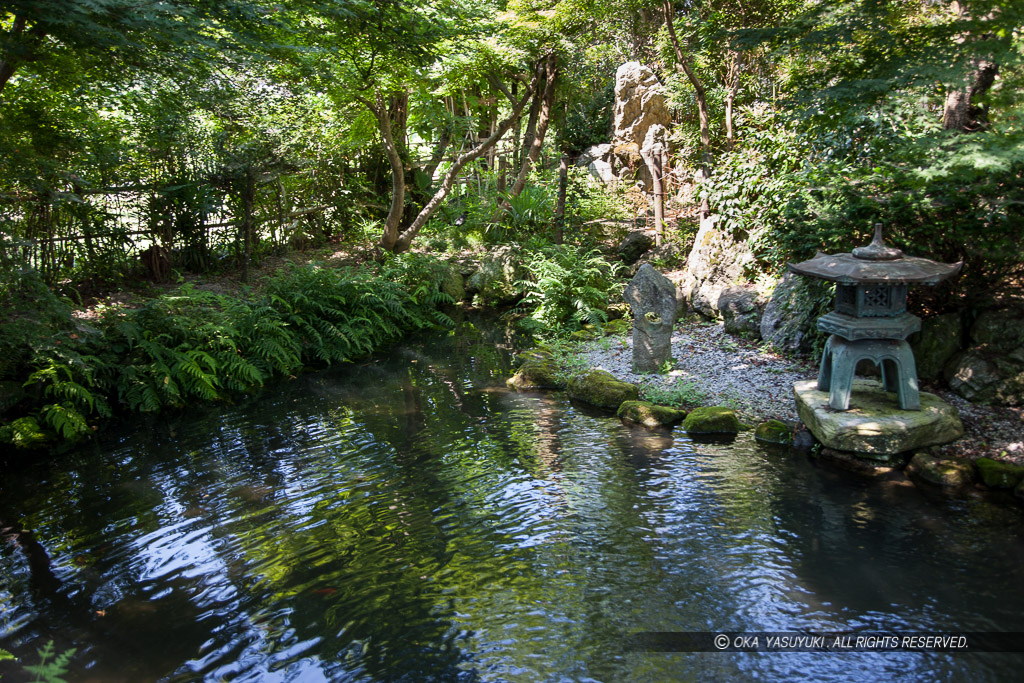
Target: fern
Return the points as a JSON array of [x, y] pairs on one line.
[[50, 671]]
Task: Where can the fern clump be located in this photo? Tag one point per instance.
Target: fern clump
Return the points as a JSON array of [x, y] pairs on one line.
[[566, 287], [194, 345]]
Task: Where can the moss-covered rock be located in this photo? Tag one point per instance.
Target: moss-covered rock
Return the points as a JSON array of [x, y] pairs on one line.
[[538, 371], [774, 431], [649, 414], [454, 285], [941, 472], [617, 326], [712, 420], [495, 283], [602, 389], [999, 475]]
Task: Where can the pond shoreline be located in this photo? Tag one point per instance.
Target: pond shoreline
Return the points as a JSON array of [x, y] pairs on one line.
[[757, 382]]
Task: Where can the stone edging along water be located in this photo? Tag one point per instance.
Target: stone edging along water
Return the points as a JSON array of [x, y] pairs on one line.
[[749, 385]]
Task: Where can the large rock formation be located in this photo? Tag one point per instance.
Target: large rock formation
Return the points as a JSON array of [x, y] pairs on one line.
[[639, 104], [789, 316], [714, 282], [494, 284]]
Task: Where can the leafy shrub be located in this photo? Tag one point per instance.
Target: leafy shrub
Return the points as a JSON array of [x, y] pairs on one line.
[[567, 286]]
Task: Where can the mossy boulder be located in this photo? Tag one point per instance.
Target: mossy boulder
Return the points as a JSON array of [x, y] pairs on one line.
[[495, 283], [602, 389], [454, 285], [649, 414], [939, 471], [999, 475], [712, 420], [774, 431], [538, 371]]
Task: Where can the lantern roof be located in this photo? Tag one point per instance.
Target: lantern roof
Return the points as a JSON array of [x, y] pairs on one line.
[[876, 264]]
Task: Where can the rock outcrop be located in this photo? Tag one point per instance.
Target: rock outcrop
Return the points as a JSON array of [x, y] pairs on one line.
[[992, 369]]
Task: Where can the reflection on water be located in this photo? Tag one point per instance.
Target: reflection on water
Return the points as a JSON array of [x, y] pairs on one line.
[[409, 519]]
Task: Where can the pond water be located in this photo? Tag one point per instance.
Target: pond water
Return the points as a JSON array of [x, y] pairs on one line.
[[409, 519]]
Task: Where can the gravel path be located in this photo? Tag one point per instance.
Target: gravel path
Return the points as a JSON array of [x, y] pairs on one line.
[[722, 369], [719, 369]]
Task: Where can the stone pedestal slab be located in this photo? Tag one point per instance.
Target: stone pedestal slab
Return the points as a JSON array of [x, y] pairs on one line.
[[875, 427]]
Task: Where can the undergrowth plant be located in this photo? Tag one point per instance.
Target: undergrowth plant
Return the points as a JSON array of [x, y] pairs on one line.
[[566, 287], [195, 345]]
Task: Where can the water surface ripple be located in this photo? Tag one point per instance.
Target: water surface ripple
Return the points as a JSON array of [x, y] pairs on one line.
[[408, 519]]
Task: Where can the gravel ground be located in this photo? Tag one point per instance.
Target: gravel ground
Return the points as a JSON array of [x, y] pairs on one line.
[[719, 369]]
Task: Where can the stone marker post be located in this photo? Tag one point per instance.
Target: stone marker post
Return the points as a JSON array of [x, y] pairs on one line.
[[653, 299]]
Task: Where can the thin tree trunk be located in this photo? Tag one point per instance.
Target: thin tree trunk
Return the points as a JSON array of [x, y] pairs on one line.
[[394, 218], [563, 183], [439, 150], [543, 119], [735, 65], [248, 198], [702, 100]]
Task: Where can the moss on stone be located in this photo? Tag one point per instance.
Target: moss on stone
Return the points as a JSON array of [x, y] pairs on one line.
[[538, 371], [941, 472], [712, 420], [602, 389], [999, 475], [650, 414], [774, 431]]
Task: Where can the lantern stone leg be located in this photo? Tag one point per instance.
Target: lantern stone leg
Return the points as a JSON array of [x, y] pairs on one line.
[[840, 359]]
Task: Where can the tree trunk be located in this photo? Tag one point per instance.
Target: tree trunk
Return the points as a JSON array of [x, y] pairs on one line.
[[29, 40], [394, 218], [702, 100], [543, 119], [959, 113], [563, 183], [735, 65]]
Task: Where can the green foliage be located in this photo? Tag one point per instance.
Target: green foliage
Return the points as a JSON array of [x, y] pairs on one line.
[[194, 346], [526, 213], [677, 395], [567, 287], [47, 671]]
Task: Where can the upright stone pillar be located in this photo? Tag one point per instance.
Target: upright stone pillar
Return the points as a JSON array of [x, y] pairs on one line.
[[653, 299]]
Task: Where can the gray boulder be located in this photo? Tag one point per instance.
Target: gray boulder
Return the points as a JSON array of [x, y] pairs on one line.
[[740, 308], [634, 246], [653, 299]]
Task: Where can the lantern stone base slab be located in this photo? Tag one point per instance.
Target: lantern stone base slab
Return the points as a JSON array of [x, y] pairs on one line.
[[874, 426]]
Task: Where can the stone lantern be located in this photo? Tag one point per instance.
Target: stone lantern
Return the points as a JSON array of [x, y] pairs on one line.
[[870, 320]]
